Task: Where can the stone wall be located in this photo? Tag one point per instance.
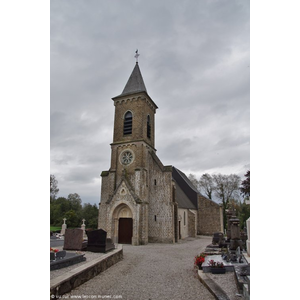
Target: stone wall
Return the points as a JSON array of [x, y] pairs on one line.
[[161, 206], [70, 280], [210, 218], [192, 223], [184, 222], [140, 106]]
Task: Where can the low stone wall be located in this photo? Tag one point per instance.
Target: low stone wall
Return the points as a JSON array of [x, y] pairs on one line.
[[72, 279]]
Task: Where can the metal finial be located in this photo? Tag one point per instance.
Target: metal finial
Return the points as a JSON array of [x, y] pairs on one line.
[[136, 55]]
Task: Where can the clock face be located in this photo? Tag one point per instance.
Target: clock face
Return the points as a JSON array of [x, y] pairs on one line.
[[126, 157]]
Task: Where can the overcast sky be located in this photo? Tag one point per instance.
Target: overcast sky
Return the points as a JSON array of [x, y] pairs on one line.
[[195, 61]]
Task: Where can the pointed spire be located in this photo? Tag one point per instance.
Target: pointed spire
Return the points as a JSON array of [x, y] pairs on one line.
[[135, 83]]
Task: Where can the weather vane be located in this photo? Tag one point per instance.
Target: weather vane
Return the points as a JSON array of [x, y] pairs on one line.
[[136, 55]]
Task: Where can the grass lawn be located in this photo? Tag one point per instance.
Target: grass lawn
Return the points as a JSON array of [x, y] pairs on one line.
[[53, 228]]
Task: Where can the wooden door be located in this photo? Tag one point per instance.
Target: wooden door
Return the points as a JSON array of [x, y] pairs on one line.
[[125, 231]]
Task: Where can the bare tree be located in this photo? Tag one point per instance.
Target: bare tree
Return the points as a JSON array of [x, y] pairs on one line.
[[206, 185], [193, 180], [226, 188]]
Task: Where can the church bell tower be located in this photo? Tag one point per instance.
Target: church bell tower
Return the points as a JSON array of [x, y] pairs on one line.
[[134, 127], [123, 210]]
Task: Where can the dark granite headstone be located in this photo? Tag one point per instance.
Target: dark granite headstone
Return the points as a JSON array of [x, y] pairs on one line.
[[97, 241], [217, 237], [243, 237], [60, 254], [245, 270], [242, 276], [52, 256], [69, 259], [74, 239]]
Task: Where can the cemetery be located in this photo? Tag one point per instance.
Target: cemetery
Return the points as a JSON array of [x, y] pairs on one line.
[[228, 255], [79, 257]]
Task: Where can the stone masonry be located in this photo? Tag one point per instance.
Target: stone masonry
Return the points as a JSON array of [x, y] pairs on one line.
[[210, 216], [137, 192]]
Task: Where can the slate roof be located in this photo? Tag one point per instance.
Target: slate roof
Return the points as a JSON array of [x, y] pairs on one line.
[[186, 194], [135, 83], [182, 199]]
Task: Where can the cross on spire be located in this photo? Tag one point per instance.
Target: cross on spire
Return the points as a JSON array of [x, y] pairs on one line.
[[136, 55]]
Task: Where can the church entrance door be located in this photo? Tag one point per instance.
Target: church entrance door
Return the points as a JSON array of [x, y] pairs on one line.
[[125, 231]]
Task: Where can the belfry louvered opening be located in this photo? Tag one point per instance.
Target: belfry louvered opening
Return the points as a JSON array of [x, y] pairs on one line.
[[128, 123], [148, 127]]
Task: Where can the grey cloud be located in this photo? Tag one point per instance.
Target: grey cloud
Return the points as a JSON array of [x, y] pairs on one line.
[[194, 60]]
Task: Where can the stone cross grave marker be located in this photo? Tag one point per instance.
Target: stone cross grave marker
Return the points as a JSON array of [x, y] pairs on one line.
[[83, 229], [63, 227]]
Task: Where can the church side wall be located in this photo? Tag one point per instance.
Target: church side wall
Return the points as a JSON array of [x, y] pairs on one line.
[[183, 216], [192, 222], [188, 222], [161, 206], [209, 217]]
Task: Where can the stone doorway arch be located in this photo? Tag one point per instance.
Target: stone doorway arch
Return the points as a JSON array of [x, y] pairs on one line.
[[123, 224]]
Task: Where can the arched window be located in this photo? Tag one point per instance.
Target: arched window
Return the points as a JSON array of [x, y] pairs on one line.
[[148, 127], [128, 123]]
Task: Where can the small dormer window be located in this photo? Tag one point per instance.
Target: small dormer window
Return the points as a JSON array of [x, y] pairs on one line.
[[128, 123], [148, 127]]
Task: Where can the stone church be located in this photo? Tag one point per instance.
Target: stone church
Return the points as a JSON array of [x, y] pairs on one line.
[[142, 200]]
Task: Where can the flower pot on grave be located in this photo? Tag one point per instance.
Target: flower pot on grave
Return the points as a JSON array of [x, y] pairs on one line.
[[218, 270], [199, 266]]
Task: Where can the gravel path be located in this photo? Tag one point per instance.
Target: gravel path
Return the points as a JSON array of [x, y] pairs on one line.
[[153, 271]]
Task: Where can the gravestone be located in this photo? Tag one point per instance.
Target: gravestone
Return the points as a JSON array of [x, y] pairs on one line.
[[61, 254], [83, 229], [239, 255], [74, 240], [229, 214], [97, 241], [235, 240], [217, 238], [65, 259], [243, 238], [52, 256], [242, 276], [63, 227]]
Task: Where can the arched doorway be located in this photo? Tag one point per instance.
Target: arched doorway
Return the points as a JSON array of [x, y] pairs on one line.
[[123, 216]]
